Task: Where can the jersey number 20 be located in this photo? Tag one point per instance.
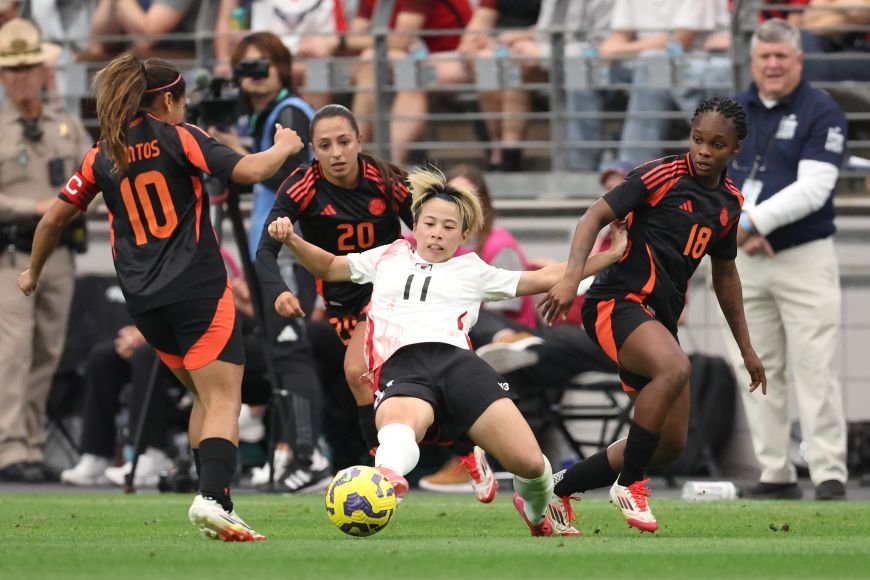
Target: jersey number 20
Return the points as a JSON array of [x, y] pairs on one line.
[[142, 183]]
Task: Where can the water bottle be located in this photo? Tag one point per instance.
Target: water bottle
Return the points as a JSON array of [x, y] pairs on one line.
[[709, 490], [239, 19]]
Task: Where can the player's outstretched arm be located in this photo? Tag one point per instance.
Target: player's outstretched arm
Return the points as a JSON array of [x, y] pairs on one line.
[[561, 296], [45, 239], [325, 265], [541, 280], [263, 165], [726, 284]]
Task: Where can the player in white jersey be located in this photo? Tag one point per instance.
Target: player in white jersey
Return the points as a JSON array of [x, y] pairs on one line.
[[424, 301]]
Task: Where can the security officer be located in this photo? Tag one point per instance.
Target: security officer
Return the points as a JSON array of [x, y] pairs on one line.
[[40, 146]]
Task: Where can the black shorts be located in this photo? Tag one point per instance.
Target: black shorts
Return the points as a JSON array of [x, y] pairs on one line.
[[193, 333], [458, 384], [609, 322]]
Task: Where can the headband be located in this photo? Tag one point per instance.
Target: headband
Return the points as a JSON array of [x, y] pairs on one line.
[[164, 87]]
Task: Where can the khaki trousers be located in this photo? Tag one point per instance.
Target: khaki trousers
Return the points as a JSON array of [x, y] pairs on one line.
[[792, 304], [32, 333]]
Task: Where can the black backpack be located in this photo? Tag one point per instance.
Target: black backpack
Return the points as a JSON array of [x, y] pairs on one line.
[[711, 419]]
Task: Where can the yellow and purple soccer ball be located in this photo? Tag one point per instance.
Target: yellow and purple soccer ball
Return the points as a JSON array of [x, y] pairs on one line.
[[360, 501]]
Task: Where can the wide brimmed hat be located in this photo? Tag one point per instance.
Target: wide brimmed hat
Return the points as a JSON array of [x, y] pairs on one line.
[[21, 44]]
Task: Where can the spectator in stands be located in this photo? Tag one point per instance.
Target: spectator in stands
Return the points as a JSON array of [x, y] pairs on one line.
[[9, 9], [409, 22], [649, 36], [40, 144], [787, 170], [145, 21], [824, 25], [487, 35], [309, 29], [110, 367]]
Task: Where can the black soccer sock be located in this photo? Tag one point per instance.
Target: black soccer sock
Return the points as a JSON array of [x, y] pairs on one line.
[[196, 461], [639, 449], [367, 425], [218, 460], [591, 473]]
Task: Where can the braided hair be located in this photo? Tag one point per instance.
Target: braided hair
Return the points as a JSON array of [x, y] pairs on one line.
[[728, 108]]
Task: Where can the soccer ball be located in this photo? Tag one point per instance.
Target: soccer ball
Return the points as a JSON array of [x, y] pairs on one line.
[[360, 501]]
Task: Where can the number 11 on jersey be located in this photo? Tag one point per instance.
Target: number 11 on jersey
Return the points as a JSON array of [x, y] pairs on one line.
[[410, 282]]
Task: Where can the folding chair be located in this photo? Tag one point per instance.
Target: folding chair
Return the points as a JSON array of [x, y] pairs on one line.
[[564, 406]]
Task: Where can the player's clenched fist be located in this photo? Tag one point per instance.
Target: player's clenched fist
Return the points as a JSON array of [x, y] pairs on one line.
[[288, 138], [282, 230]]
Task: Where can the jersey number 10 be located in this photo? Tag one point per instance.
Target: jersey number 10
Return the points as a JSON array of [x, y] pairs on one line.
[[141, 184]]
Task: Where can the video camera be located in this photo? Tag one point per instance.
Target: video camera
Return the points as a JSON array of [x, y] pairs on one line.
[[214, 102]]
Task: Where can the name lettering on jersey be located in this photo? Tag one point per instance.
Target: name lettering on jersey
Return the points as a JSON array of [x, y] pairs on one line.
[[835, 141], [787, 127], [505, 386], [141, 151], [74, 185]]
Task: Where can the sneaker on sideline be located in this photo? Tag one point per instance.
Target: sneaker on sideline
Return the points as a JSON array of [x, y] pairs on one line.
[[451, 478], [633, 503], [260, 475], [506, 357], [299, 478], [151, 463], [215, 523], [90, 470], [400, 484], [251, 427], [482, 478], [562, 517], [545, 528]]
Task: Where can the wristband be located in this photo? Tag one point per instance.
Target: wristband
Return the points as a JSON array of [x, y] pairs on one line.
[[746, 223]]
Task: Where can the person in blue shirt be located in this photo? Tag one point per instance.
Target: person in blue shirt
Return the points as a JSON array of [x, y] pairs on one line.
[[787, 171]]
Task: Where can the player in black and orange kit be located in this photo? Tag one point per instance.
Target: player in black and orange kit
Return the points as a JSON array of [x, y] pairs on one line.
[[149, 166], [344, 202], [678, 209]]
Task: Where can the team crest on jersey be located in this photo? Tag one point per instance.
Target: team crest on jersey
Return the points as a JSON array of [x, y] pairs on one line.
[[723, 216], [377, 206], [424, 267]]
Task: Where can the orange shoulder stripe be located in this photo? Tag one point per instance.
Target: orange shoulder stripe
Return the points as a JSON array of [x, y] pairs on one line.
[[191, 148]]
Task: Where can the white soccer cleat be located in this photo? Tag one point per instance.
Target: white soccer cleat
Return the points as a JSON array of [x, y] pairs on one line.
[[214, 522], [88, 471], [562, 517], [483, 480], [633, 503]]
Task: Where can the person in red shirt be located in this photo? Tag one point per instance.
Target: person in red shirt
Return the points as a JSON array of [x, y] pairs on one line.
[[409, 19], [149, 166]]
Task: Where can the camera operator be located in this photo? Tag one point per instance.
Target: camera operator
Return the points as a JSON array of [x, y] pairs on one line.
[[263, 68], [40, 148]]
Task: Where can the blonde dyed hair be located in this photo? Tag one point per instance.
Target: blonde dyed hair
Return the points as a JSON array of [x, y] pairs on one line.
[[427, 184]]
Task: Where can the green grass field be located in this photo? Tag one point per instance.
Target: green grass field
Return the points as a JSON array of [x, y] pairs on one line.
[[105, 536]]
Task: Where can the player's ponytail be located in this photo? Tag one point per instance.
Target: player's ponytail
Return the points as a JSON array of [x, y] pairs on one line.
[[119, 88], [123, 88], [428, 184]]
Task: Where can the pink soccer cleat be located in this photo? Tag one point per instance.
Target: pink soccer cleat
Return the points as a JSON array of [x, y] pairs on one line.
[[482, 478], [545, 528]]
